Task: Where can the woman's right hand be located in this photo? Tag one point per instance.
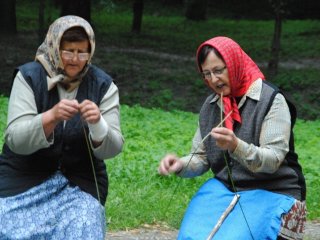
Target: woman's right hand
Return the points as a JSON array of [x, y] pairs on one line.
[[65, 110], [170, 164]]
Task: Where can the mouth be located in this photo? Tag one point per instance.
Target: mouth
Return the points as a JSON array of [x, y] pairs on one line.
[[72, 65], [220, 86]]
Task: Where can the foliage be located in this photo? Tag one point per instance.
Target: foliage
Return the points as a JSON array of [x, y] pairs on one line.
[[167, 30], [138, 195], [160, 61], [134, 182], [307, 140], [296, 81]]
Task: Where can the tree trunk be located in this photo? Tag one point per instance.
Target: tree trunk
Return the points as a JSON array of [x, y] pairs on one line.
[[196, 9], [8, 24], [41, 31], [137, 16], [172, 2], [81, 8], [275, 47]]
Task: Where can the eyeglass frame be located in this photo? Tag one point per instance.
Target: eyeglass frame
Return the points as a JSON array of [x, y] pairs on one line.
[[82, 56], [217, 72]]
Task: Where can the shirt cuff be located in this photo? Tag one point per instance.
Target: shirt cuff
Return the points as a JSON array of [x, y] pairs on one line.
[[99, 130], [240, 151]]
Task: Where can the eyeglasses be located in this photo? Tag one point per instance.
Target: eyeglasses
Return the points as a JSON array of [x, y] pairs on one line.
[[217, 72], [68, 55]]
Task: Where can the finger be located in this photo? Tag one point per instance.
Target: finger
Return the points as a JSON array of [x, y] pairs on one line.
[[169, 160], [175, 167], [69, 111], [162, 169], [87, 104], [72, 103], [90, 109]]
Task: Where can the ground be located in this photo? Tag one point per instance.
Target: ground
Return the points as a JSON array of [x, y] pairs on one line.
[[147, 232]]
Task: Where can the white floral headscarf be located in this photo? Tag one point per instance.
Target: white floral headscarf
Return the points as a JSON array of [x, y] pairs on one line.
[[48, 54]]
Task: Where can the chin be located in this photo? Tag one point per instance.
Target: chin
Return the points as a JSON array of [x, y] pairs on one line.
[[72, 75], [226, 91]]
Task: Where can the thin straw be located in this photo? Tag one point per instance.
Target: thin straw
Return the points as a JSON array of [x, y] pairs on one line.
[[221, 107]]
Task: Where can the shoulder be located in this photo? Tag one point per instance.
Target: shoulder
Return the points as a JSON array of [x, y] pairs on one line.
[[211, 98], [279, 99], [30, 66]]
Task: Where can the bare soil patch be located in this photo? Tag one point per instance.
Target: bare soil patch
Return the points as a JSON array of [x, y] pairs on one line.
[[155, 232]]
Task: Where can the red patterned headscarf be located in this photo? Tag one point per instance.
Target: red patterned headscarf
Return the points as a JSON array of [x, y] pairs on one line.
[[242, 72]]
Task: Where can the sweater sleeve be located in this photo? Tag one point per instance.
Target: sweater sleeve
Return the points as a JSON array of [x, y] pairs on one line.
[[109, 125], [274, 141], [195, 164], [24, 133]]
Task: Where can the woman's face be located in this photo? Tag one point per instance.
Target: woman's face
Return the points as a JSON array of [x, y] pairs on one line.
[[74, 57], [215, 73]]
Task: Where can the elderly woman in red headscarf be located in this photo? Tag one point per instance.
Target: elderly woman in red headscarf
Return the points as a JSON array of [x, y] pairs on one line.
[[245, 137]]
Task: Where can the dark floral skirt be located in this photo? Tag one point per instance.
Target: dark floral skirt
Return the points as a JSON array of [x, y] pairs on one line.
[[293, 223], [52, 210]]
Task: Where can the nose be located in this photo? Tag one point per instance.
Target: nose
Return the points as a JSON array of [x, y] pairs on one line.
[[75, 56], [213, 77]]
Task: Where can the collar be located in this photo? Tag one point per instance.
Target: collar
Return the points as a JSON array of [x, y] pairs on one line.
[[69, 86], [254, 92]]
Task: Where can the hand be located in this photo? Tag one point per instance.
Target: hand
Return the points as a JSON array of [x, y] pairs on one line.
[[89, 111], [64, 110], [225, 138], [170, 164]]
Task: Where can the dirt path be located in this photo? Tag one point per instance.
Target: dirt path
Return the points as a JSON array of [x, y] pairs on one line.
[[312, 232], [298, 64]]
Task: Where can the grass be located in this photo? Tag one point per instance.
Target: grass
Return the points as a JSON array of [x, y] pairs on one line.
[[138, 195]]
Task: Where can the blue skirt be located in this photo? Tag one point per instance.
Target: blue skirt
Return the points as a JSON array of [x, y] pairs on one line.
[[52, 210], [256, 216]]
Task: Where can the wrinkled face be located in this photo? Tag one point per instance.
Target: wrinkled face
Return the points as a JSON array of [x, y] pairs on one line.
[[74, 57], [216, 74]]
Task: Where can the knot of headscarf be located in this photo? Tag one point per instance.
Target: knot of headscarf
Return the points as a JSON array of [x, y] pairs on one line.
[[242, 72], [48, 54]]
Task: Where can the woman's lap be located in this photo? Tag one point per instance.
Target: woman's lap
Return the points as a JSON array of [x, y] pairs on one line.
[[54, 210]]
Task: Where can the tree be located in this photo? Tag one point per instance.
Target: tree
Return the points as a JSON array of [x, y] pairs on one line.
[[172, 2], [278, 7], [137, 15], [81, 8], [41, 30], [196, 9], [8, 23]]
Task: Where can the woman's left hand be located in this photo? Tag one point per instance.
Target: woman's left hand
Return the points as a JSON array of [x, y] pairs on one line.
[[225, 138], [89, 111]]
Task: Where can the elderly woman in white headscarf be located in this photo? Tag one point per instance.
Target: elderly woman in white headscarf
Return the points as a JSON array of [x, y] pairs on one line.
[[63, 122]]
